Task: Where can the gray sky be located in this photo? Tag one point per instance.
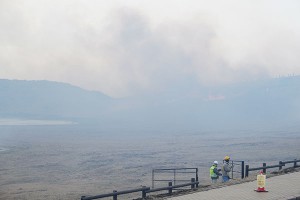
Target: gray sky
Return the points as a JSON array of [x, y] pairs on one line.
[[126, 47]]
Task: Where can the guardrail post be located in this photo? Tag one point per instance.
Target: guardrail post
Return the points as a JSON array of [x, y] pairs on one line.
[[295, 163], [243, 170], [193, 183], [280, 165], [115, 197], [247, 171], [144, 192], [170, 189], [197, 184], [264, 169]]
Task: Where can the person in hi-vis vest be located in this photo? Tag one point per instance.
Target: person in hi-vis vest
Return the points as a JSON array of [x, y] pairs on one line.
[[214, 172]]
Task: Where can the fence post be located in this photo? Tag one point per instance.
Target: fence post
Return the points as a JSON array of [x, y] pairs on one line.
[[197, 184], [115, 197], [144, 192], [264, 169], [247, 171], [243, 169], [280, 165], [152, 178], [170, 189], [295, 163], [193, 183]]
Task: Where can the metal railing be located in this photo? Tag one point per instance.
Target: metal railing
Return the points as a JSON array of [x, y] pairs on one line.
[[290, 161], [235, 170], [193, 184], [265, 167], [173, 175], [115, 194], [144, 190]]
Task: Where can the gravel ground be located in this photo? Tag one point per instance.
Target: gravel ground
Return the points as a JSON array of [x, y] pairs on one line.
[[49, 162]]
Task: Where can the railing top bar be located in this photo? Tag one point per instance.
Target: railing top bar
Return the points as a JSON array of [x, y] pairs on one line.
[[171, 187], [171, 180], [166, 171], [134, 190], [290, 161], [174, 169], [98, 196], [238, 161], [184, 184], [116, 193], [158, 189], [266, 167]]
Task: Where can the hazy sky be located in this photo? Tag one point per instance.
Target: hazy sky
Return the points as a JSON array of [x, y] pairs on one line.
[[126, 47]]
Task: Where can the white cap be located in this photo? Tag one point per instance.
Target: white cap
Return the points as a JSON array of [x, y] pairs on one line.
[[215, 162]]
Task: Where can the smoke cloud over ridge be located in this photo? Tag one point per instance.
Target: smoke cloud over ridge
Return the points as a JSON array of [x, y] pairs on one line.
[[124, 48]]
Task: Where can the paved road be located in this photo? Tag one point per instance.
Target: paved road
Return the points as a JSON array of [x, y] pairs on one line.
[[280, 187]]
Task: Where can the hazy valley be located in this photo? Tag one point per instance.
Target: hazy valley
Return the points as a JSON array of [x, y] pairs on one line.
[[58, 141]]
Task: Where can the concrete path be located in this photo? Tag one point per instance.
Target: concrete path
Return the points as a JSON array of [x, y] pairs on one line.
[[280, 187]]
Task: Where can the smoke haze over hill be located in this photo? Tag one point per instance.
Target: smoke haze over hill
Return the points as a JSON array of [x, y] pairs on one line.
[[269, 102]]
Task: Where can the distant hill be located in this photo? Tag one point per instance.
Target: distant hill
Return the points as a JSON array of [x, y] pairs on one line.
[[269, 102], [49, 100]]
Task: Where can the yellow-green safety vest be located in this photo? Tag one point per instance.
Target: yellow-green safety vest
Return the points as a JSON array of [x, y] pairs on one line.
[[212, 173]]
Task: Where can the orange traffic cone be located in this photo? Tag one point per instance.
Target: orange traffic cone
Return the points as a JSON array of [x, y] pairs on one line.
[[261, 183]]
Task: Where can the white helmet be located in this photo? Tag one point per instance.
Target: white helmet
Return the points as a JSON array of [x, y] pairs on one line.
[[215, 162]]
